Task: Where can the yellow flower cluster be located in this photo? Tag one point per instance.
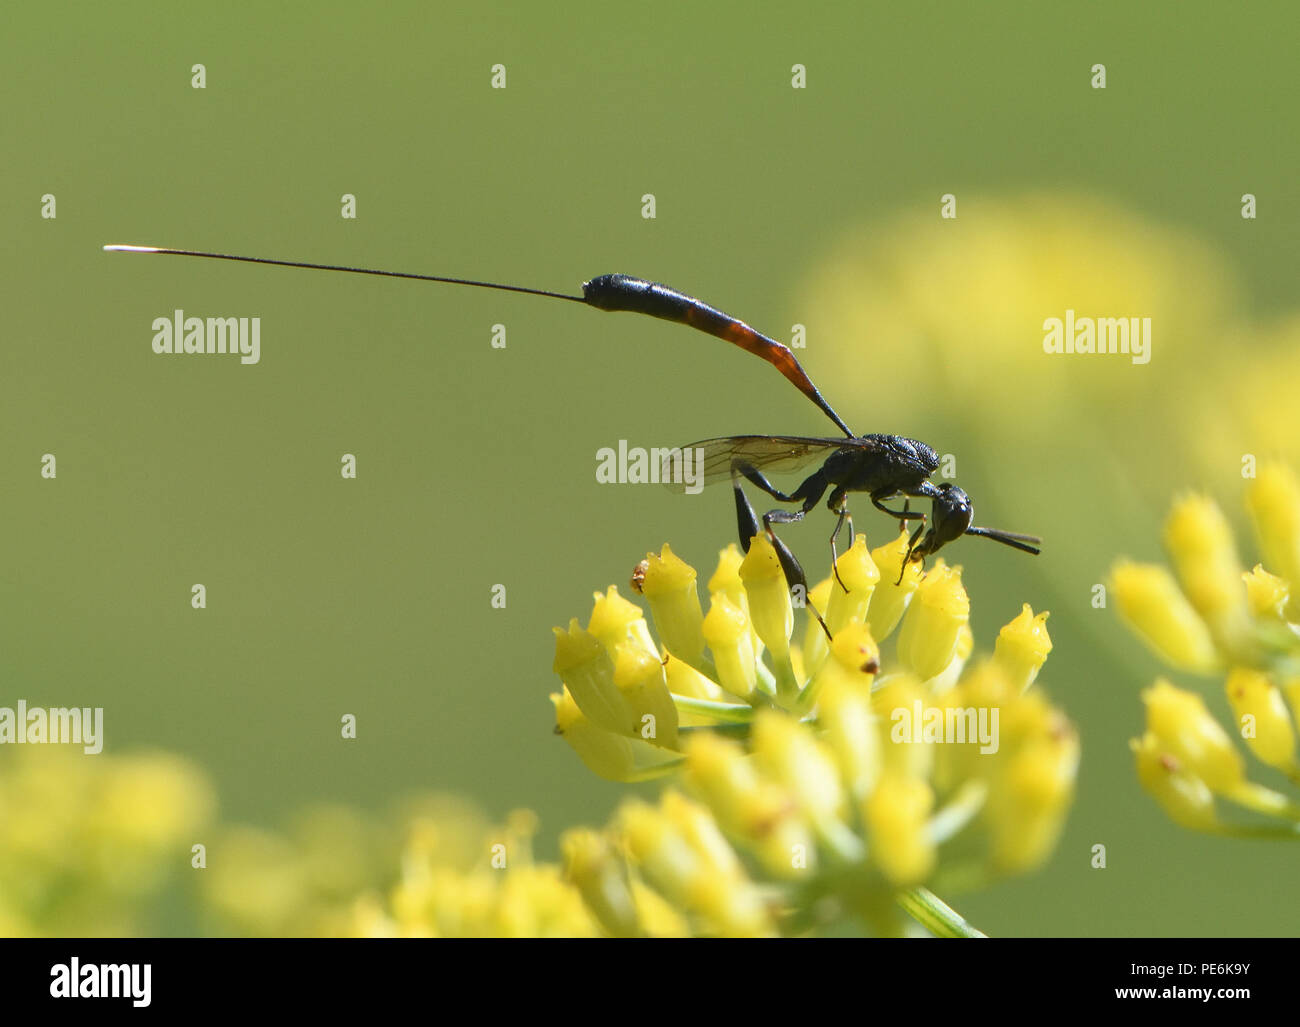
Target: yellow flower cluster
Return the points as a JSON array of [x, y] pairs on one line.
[[1211, 616], [85, 840], [434, 868], [817, 770]]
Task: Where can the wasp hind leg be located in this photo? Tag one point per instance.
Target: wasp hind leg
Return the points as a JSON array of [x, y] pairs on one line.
[[747, 522]]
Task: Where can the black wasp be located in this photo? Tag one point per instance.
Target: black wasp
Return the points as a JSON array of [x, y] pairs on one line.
[[885, 467]]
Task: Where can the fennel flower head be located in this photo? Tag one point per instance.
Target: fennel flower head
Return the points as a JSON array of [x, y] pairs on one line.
[[433, 866], [87, 841], [820, 784], [1211, 617]]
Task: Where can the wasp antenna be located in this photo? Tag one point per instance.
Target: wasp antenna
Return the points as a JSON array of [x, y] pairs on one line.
[[1009, 538], [174, 252]]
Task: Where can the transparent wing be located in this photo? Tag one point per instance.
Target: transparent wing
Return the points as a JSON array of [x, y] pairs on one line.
[[778, 453]]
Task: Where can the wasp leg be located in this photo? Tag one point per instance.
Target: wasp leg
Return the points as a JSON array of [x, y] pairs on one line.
[[756, 477], [835, 556], [911, 546], [746, 518], [794, 575], [809, 494], [901, 515]]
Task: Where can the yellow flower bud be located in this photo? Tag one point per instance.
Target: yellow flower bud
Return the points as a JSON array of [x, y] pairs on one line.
[[890, 597], [1022, 647], [640, 677], [683, 679], [726, 579], [718, 769], [986, 684], [657, 917], [615, 620], [585, 667], [1151, 603], [536, 903], [681, 850], [697, 826], [593, 867], [1273, 499], [850, 730], [1267, 593], [1029, 717], [903, 747], [1185, 730], [747, 805], [723, 894], [1268, 732], [1183, 796], [1029, 798], [949, 676], [726, 629], [860, 576], [650, 839], [770, 610], [615, 757], [939, 610], [1200, 544], [669, 588], [854, 660], [896, 814], [814, 638], [792, 756]]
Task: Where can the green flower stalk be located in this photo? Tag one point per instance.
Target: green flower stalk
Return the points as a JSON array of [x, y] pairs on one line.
[[1213, 617], [818, 782]]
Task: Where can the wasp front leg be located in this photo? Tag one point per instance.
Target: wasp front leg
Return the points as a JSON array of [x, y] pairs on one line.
[[902, 516], [839, 504]]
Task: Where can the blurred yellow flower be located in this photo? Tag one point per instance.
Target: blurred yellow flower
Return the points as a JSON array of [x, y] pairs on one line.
[[434, 867], [1214, 616], [963, 301], [86, 842]]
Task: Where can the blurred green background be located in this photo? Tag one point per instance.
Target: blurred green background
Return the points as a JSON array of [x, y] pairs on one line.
[[476, 466]]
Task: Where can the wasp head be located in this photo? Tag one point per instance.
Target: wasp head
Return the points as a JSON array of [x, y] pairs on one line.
[[951, 513]]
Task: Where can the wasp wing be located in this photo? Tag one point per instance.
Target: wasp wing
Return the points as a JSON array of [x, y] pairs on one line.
[[779, 453]]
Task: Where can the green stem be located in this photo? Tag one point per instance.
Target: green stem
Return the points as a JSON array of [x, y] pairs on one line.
[[787, 685], [721, 711], [935, 915], [965, 806]]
